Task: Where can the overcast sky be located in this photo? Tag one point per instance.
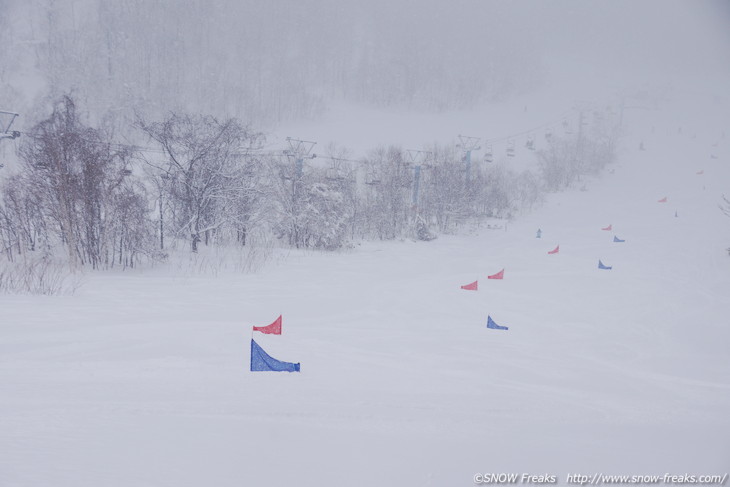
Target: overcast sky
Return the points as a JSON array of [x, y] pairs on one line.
[[655, 41]]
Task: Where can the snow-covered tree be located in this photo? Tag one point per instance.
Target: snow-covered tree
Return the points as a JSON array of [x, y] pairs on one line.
[[75, 188], [312, 209], [208, 170]]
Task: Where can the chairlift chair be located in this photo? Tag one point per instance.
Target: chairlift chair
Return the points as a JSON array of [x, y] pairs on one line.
[[566, 127], [510, 148], [333, 174], [285, 174], [530, 142], [6, 121], [488, 155], [371, 179]]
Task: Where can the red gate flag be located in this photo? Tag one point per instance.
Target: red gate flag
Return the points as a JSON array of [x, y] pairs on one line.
[[498, 275], [663, 200], [470, 287], [608, 228], [555, 250], [272, 329]]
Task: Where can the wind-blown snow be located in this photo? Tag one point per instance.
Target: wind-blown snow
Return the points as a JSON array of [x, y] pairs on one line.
[[141, 379]]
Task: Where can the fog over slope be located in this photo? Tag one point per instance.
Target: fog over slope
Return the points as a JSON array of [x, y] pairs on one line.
[[268, 62]]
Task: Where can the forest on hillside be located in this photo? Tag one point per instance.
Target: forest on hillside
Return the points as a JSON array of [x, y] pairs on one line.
[[262, 62]]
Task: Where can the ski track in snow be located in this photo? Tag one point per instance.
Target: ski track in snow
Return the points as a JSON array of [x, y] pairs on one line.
[[141, 379]]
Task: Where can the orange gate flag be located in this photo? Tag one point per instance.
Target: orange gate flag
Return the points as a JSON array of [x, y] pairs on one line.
[[272, 329], [498, 275]]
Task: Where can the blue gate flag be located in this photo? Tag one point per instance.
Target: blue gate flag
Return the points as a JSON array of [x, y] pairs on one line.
[[602, 266], [616, 239], [262, 361], [491, 324], [539, 233]]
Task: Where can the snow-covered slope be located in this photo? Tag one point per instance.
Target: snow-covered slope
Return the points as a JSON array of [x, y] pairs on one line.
[[141, 379]]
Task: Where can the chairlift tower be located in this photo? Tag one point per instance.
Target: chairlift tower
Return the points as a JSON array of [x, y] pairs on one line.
[[298, 151], [417, 158], [467, 145], [581, 107]]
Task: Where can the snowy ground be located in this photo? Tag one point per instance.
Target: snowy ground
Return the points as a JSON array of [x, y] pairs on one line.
[[141, 379]]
